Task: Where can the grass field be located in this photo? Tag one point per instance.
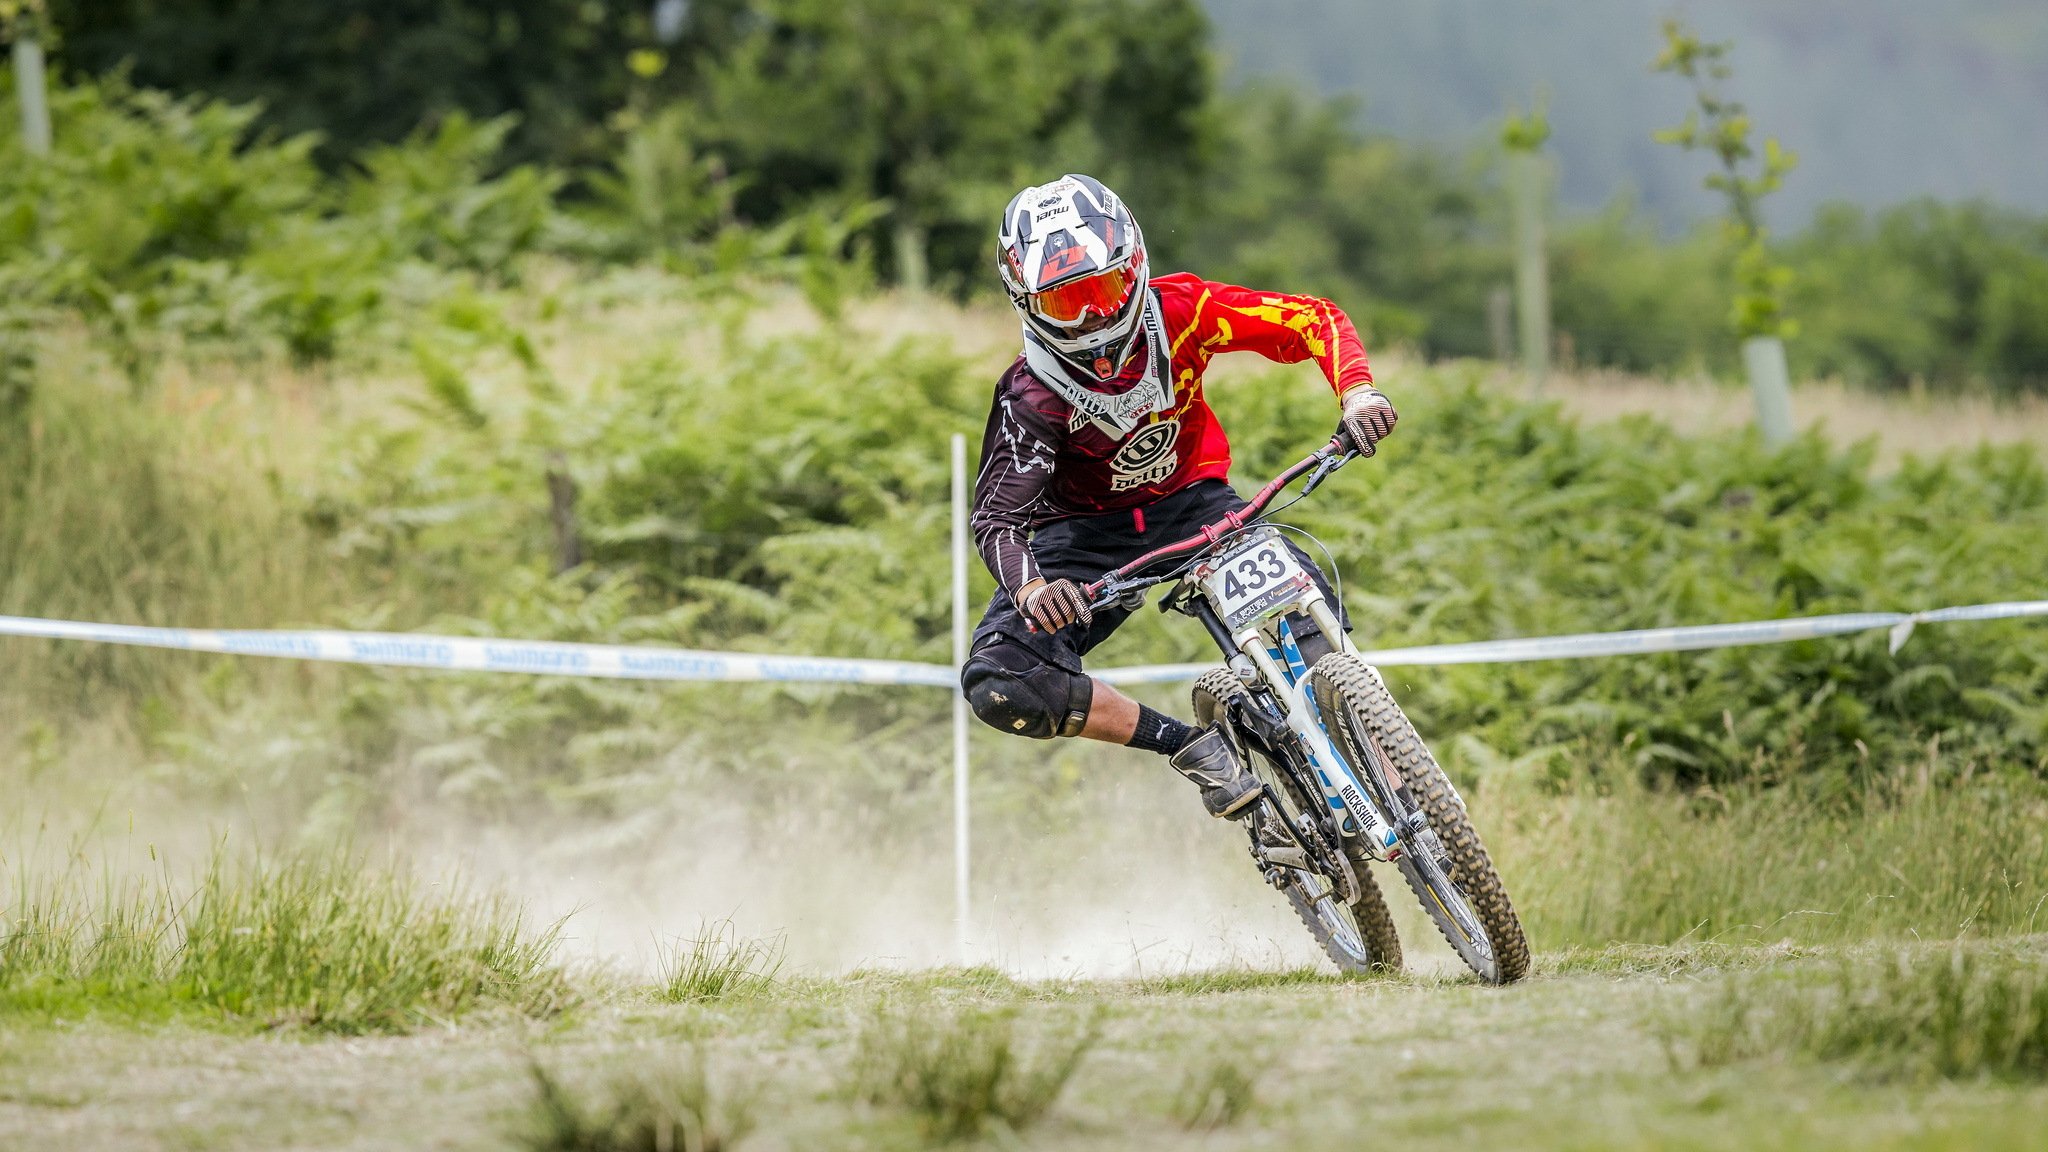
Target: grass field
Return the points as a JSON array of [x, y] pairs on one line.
[[1841, 978], [1589, 1054]]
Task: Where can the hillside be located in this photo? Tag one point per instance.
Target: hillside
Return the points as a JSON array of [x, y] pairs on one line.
[[1883, 99]]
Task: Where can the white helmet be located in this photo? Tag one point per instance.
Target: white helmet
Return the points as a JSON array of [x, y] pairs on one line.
[[1073, 261]]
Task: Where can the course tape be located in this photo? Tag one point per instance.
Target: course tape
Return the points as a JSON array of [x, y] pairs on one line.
[[473, 654], [627, 662], [1646, 640]]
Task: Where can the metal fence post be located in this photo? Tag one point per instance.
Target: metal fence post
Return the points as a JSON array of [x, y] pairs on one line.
[[961, 905]]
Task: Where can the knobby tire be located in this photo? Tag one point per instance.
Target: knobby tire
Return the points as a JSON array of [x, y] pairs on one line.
[[1349, 689]]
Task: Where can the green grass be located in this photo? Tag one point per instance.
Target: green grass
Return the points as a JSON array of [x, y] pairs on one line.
[[716, 964], [1216, 1094], [320, 942], [1954, 1013], [1762, 865], [670, 1107], [1559, 1062], [1210, 981], [964, 1069]]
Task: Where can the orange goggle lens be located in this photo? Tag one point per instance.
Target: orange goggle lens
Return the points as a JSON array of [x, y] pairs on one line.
[[1103, 294]]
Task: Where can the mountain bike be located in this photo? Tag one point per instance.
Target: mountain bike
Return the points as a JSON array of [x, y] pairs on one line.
[[1347, 780]]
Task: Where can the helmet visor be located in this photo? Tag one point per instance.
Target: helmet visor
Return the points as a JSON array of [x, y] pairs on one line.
[[1100, 296]]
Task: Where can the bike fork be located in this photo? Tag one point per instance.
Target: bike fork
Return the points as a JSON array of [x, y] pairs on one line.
[[1356, 814]]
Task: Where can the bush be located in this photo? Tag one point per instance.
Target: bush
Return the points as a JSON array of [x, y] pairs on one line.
[[171, 224], [1928, 292]]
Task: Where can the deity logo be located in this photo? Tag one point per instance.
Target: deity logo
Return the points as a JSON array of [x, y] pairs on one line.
[[1146, 458]]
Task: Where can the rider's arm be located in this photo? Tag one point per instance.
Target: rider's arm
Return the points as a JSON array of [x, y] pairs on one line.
[[1284, 328], [1017, 454]]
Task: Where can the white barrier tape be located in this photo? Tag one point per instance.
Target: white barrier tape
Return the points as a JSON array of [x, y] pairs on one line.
[[623, 662], [1638, 642], [472, 654]]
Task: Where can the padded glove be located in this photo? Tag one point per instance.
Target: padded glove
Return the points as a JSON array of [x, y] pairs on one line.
[[1053, 606], [1369, 418]]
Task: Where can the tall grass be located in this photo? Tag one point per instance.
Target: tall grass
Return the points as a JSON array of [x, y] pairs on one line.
[[1955, 1013], [319, 942], [1632, 864], [716, 964], [169, 508]]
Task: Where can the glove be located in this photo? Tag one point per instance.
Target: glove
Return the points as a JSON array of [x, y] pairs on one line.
[[1369, 418], [1051, 607]]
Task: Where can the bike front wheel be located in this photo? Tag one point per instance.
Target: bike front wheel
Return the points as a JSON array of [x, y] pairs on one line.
[[1445, 863]]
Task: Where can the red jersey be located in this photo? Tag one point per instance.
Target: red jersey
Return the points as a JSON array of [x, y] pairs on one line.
[[1042, 461]]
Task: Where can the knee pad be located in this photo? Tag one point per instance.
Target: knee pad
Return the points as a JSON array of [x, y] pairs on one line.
[[1013, 690]]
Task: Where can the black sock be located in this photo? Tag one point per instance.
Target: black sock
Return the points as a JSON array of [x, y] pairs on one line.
[[1158, 732]]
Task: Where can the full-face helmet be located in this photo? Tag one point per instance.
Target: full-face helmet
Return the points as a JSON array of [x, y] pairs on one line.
[[1073, 262]]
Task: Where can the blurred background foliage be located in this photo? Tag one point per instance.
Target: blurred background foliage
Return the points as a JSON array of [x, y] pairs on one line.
[[617, 131], [557, 319]]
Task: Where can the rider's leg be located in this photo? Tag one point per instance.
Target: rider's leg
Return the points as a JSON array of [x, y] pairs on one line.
[[1014, 689], [1112, 716]]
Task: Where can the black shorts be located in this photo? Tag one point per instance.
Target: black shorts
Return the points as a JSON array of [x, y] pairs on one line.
[[1084, 548]]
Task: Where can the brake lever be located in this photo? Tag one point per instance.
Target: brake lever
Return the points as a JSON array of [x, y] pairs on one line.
[[1326, 469]]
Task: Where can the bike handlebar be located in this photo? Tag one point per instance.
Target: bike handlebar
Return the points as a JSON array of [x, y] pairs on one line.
[[1322, 461]]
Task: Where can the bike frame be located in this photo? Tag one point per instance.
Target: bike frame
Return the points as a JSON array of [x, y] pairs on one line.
[[1265, 651]]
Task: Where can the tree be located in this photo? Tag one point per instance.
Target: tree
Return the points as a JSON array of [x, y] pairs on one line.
[[1722, 127], [363, 72], [943, 108]]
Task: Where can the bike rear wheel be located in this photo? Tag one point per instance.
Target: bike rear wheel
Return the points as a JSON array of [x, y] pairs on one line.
[[1358, 937], [1447, 867]]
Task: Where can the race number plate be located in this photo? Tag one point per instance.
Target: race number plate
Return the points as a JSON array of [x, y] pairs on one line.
[[1257, 579]]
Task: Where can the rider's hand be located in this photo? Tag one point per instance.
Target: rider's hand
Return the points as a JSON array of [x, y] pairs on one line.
[[1369, 418], [1051, 607]]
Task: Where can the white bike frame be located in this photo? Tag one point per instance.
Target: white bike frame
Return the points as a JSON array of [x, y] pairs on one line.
[[1261, 647]]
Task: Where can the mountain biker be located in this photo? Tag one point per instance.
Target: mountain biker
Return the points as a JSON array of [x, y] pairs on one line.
[[1101, 447]]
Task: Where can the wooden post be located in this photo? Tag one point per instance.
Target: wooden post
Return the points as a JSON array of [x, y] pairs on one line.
[[31, 91], [1532, 264], [562, 514], [912, 274], [1771, 381], [1500, 322]]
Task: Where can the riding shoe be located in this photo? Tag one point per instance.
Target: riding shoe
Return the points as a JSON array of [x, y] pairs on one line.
[[1210, 761]]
